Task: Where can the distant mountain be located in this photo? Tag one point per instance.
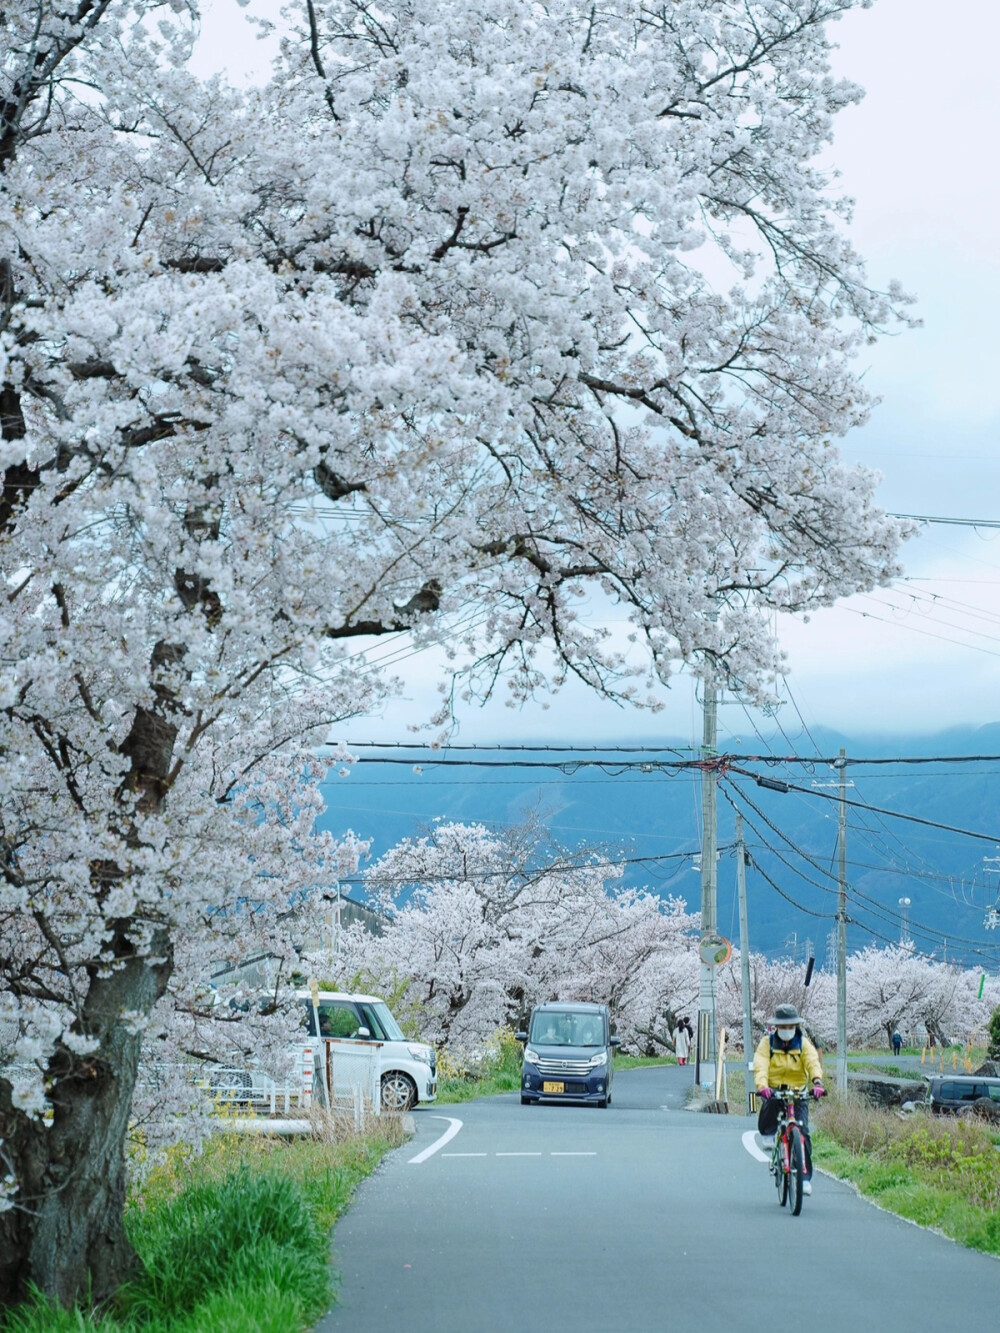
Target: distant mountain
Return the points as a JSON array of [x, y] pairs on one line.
[[605, 800]]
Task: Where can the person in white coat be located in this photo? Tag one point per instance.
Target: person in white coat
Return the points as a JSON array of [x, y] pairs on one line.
[[682, 1043]]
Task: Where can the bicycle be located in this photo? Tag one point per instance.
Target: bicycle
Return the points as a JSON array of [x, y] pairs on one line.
[[788, 1156]]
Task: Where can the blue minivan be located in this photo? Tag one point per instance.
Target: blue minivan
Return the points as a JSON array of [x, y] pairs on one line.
[[568, 1054]]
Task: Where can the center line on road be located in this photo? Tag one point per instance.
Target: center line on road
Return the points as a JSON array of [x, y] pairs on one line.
[[573, 1154], [453, 1127], [519, 1154], [464, 1154]]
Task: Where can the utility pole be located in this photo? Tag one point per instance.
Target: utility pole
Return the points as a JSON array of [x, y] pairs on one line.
[[842, 929], [705, 1043], [741, 886]]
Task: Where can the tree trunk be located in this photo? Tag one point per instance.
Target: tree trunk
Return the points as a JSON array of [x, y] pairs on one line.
[[66, 1233], [654, 1039], [935, 1035]]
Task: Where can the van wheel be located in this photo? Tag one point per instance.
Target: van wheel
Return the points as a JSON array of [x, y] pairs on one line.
[[525, 1101], [603, 1101], [399, 1092]]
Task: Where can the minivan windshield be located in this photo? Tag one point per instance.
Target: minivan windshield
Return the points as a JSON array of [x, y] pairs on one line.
[[380, 1023], [566, 1029]]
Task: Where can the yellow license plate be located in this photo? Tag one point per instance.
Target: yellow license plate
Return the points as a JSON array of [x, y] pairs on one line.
[[553, 1087]]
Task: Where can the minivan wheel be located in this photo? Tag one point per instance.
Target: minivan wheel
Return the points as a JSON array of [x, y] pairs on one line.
[[399, 1092], [525, 1101]]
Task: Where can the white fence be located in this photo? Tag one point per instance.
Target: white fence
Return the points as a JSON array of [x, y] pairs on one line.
[[346, 1080], [352, 1075]]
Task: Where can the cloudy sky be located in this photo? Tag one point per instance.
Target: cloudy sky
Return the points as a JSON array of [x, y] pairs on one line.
[[919, 156]]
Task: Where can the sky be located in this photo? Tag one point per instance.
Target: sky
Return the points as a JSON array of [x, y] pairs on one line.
[[918, 155]]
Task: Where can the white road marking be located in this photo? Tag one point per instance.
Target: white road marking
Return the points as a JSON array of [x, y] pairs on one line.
[[453, 1127], [750, 1143]]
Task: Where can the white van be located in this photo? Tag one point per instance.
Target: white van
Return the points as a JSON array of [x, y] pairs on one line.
[[358, 1054], [350, 1026]]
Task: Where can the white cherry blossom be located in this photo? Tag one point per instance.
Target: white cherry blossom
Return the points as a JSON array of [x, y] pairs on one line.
[[470, 320]]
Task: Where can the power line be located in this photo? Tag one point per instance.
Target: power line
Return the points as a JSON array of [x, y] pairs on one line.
[[719, 761], [863, 901], [519, 749], [951, 522], [876, 809], [371, 878]]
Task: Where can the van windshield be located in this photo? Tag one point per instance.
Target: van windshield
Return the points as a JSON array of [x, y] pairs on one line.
[[567, 1029], [380, 1021]]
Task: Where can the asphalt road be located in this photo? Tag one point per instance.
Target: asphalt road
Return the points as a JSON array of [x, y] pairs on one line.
[[641, 1216]]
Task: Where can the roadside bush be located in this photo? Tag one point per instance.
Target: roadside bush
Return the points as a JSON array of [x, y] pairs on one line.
[[937, 1170], [993, 1036], [495, 1069], [234, 1238], [245, 1231]]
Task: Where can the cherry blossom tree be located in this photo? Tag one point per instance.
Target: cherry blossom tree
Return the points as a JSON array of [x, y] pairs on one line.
[[471, 320], [887, 987], [894, 986], [481, 925], [774, 982]]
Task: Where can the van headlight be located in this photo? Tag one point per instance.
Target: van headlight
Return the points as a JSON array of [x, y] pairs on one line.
[[530, 1056], [601, 1058], [421, 1053]]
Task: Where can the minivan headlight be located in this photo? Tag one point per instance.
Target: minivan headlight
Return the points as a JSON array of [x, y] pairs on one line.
[[421, 1053], [601, 1058], [530, 1056]]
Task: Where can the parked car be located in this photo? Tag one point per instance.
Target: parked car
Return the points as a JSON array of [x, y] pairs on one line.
[[406, 1070], [358, 1044], [568, 1054], [951, 1094]]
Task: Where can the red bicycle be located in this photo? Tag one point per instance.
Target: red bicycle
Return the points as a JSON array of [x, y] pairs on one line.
[[788, 1157]]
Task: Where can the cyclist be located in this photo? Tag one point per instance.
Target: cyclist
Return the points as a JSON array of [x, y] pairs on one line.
[[787, 1058]]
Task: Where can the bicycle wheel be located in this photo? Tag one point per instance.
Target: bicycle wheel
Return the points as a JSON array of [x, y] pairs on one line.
[[796, 1171], [780, 1178]]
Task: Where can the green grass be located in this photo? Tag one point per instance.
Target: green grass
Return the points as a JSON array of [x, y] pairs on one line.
[[466, 1089], [233, 1241], [641, 1061], [894, 1071], [936, 1171]]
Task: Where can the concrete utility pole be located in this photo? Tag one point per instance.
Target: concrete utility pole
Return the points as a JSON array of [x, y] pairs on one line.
[[842, 928], [705, 1044], [741, 886]]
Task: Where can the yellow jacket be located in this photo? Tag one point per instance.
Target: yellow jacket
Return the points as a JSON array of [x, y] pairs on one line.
[[795, 1067]]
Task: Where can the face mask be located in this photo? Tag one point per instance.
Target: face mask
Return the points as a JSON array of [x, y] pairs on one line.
[[786, 1034]]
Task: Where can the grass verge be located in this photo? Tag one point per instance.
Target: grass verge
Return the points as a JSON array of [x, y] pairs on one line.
[[498, 1070], [937, 1171], [641, 1061], [233, 1240]]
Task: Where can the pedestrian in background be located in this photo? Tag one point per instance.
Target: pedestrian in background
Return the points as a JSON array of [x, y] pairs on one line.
[[897, 1042], [682, 1041]]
